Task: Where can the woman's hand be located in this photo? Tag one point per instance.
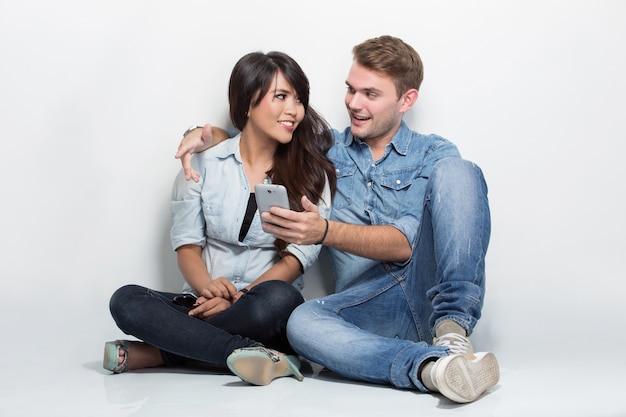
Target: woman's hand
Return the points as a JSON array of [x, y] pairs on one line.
[[209, 308], [219, 287]]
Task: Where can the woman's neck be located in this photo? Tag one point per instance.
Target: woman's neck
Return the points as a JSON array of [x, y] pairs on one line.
[[257, 156]]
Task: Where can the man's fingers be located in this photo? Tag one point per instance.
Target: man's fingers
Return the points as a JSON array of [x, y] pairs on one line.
[[186, 161], [273, 223], [292, 226], [190, 144], [308, 205], [183, 150]]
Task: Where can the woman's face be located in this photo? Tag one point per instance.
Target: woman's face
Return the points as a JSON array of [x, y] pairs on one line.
[[279, 112]]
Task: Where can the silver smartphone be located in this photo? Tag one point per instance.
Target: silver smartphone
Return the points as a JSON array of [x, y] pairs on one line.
[[268, 195]]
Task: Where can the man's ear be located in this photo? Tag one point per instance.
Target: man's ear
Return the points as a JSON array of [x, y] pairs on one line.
[[408, 100]]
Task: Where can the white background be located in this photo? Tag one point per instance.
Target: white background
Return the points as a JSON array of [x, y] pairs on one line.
[[95, 95]]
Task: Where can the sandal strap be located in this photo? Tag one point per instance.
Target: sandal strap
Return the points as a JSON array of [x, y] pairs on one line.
[[122, 344]]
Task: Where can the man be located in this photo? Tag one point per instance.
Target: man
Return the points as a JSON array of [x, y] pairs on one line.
[[407, 240]]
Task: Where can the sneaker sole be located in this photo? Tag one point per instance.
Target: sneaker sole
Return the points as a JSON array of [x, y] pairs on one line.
[[466, 377]]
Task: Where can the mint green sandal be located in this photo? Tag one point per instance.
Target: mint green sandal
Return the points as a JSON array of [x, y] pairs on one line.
[[260, 366], [112, 356]]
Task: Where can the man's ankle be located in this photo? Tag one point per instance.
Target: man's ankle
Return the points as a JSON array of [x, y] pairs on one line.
[[426, 377]]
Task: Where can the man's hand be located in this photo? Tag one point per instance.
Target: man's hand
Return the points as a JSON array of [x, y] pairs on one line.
[[381, 242], [197, 140], [302, 228]]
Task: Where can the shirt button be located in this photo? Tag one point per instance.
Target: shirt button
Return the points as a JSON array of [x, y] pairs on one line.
[[369, 184], [336, 170], [398, 182], [373, 165]]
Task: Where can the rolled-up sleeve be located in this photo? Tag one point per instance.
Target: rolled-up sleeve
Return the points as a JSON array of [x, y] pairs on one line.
[[188, 225]]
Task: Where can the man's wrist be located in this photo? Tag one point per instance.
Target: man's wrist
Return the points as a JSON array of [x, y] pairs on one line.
[[191, 129], [325, 233]]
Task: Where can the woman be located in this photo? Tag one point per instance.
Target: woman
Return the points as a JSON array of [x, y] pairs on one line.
[[245, 280]]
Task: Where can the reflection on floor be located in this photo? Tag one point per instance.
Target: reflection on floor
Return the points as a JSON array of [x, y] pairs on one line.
[[43, 386]]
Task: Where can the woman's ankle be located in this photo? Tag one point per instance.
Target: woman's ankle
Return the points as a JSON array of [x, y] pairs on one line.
[[142, 355]]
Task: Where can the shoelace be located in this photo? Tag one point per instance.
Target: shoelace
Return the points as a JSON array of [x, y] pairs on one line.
[[454, 342]]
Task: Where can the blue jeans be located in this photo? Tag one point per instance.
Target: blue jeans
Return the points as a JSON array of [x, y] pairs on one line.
[[258, 318], [380, 329]]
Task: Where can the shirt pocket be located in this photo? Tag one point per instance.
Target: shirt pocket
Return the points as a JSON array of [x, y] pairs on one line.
[[345, 179], [396, 186], [401, 178], [214, 218]]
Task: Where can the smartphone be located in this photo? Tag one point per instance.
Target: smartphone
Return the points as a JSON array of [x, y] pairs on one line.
[[268, 195], [185, 300]]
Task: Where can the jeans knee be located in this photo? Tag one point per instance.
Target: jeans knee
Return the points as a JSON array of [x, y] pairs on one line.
[[295, 328], [457, 181], [455, 167], [301, 319], [121, 302], [280, 293]]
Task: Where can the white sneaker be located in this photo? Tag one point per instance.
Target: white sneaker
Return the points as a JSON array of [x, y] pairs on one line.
[[455, 343], [463, 378]]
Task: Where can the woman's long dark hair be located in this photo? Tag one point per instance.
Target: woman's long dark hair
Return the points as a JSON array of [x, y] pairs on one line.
[[300, 165]]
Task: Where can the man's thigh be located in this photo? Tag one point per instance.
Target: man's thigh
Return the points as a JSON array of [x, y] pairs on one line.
[[383, 310]]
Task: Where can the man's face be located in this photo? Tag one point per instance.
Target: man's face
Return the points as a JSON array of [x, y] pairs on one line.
[[373, 104]]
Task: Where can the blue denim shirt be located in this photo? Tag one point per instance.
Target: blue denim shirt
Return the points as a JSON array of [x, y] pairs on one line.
[[389, 191], [210, 213]]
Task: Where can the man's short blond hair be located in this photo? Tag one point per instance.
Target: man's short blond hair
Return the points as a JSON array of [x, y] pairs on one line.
[[393, 57]]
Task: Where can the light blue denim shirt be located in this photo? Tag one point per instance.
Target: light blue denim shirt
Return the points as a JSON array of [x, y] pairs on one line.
[[210, 213], [389, 191]]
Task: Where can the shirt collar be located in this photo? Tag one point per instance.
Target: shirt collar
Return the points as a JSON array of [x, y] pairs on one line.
[[229, 147], [400, 141]]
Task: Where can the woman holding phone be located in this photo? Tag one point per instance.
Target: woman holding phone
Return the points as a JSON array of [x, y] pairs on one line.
[[241, 283]]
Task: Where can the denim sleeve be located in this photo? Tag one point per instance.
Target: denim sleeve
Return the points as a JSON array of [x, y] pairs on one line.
[[307, 254], [188, 226]]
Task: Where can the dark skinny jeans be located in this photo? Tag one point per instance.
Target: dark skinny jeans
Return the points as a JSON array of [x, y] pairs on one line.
[[258, 318]]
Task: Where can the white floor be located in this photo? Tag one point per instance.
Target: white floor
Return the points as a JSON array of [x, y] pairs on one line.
[[51, 365], [66, 379]]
